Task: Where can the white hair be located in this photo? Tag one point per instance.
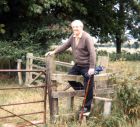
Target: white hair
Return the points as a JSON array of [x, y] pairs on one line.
[[77, 23]]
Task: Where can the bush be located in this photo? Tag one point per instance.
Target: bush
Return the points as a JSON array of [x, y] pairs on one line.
[[126, 103], [65, 57], [128, 98], [15, 49], [115, 120], [102, 53], [123, 56], [11, 51]]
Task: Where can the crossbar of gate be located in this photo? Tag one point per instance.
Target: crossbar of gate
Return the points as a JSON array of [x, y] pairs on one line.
[[37, 101]]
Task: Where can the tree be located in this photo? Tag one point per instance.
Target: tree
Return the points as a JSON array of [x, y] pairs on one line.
[[36, 21], [126, 12], [134, 20], [109, 20]]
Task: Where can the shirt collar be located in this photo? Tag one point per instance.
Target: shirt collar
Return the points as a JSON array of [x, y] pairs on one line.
[[79, 36]]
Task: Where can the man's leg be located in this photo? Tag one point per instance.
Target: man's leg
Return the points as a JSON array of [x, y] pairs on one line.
[[76, 85]]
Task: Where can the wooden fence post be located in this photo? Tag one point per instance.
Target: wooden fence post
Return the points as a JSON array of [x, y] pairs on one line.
[[52, 86], [107, 108], [70, 103], [29, 61], [107, 105], [19, 73], [54, 101]]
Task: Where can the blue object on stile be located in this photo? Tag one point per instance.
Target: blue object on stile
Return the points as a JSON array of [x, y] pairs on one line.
[[98, 69]]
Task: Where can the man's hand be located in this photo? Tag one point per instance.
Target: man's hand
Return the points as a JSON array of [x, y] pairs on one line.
[[50, 53], [91, 71]]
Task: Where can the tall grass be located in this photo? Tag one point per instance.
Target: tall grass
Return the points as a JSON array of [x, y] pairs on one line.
[[20, 96]]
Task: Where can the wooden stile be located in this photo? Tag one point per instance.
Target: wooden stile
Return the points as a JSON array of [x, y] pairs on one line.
[[54, 79]]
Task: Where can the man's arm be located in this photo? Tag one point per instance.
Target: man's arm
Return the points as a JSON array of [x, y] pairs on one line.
[[61, 48], [92, 52]]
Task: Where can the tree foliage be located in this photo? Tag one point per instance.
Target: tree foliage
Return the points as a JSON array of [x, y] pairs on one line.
[[108, 20]]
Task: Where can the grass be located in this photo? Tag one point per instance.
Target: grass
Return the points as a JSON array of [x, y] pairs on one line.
[[20, 96]]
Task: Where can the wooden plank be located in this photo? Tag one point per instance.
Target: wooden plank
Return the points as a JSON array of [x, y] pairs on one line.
[[107, 105], [35, 73], [59, 94], [28, 67], [107, 108], [77, 78], [38, 67], [65, 64], [20, 80], [70, 103], [104, 91], [66, 77], [102, 77], [52, 101], [38, 82], [103, 61], [54, 108], [31, 81], [37, 58], [63, 78], [102, 98], [31, 68]]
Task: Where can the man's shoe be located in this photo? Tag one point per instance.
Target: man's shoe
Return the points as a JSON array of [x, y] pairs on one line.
[[85, 112]]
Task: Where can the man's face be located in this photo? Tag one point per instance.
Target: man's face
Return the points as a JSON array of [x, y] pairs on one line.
[[77, 29]]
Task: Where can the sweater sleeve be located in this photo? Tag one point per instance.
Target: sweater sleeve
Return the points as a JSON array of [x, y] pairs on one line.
[[63, 47], [92, 52]]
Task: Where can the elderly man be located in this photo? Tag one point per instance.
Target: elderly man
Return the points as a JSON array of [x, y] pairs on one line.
[[84, 56]]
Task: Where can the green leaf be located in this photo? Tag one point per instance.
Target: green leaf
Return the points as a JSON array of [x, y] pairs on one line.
[[2, 31]]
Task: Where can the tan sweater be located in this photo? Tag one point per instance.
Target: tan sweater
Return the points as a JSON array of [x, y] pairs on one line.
[[84, 53]]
